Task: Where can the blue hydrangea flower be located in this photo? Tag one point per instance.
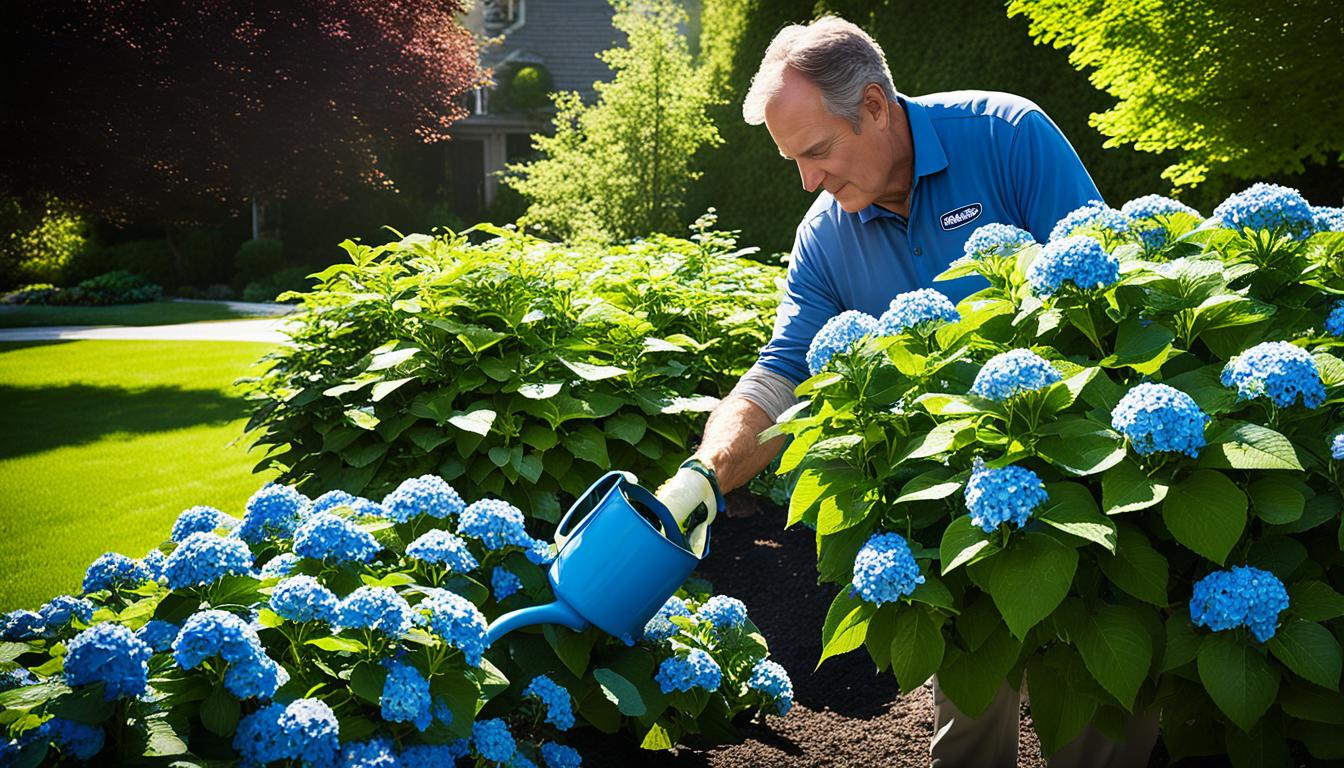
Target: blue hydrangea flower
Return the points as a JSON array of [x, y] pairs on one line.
[[919, 310], [114, 571], [1277, 370], [1157, 417], [439, 547], [434, 755], [272, 513], [724, 613], [1267, 207], [1080, 260], [1240, 597], [885, 569], [838, 335], [203, 558], [1094, 216], [458, 622], [78, 740], [425, 495], [61, 610], [560, 756], [697, 669], [16, 678], [153, 561], [540, 552], [259, 740], [504, 582], [376, 608], [405, 696], [1006, 495], [201, 520], [258, 678], [377, 752], [1146, 215], [313, 732], [210, 633], [559, 710], [157, 634], [660, 627], [996, 240], [1011, 373], [20, 625], [496, 523], [325, 536], [280, 565], [110, 654], [493, 740], [1337, 448], [771, 679], [1326, 219], [1334, 322], [333, 499], [303, 598]]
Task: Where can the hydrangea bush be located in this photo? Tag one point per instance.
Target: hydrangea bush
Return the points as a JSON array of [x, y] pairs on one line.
[[344, 631], [1116, 469]]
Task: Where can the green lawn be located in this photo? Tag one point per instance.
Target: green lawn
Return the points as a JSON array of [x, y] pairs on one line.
[[149, 313], [103, 443]]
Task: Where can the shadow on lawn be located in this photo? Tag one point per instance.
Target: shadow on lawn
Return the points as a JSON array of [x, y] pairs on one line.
[[40, 419]]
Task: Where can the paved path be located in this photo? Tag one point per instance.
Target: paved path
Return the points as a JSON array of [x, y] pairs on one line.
[[267, 330], [246, 307]]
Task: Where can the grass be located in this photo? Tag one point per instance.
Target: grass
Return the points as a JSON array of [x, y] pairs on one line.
[[104, 443], [149, 313]]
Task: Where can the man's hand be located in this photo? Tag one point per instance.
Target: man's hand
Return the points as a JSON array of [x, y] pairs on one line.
[[691, 486]]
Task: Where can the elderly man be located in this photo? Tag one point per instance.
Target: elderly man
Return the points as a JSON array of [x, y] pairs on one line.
[[903, 182]]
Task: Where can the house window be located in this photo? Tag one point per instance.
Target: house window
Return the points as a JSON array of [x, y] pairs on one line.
[[500, 14]]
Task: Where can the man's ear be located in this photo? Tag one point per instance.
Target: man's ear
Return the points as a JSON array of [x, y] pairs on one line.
[[875, 106]]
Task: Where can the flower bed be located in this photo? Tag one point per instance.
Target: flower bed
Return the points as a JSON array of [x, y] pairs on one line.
[[1115, 470], [342, 631]]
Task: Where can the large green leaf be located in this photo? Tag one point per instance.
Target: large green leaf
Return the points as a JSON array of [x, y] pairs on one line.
[[1059, 709], [1117, 651], [1315, 601], [1072, 508], [1237, 677], [1083, 452], [220, 712], [1241, 445], [846, 625], [1127, 488], [620, 692], [591, 372], [970, 679], [1182, 642], [1139, 342], [629, 427], [1136, 567], [1308, 649], [947, 436], [477, 422], [588, 443], [916, 647], [1206, 512], [1029, 579], [931, 486], [1276, 500], [963, 542]]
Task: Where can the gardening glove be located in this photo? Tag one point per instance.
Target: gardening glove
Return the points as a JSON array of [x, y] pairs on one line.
[[693, 485]]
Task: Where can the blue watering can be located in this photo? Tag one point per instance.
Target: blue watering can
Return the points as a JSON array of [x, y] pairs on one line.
[[615, 567]]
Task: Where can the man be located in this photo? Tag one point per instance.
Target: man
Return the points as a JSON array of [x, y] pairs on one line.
[[904, 181]]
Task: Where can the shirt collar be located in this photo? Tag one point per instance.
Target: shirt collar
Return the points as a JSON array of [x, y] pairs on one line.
[[929, 155]]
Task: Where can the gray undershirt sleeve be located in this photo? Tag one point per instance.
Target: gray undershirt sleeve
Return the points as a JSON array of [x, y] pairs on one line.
[[767, 389]]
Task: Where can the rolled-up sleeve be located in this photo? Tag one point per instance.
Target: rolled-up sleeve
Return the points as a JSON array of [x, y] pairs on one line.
[[1048, 179], [807, 304]]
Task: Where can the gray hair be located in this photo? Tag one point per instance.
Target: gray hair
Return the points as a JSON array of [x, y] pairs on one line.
[[835, 55]]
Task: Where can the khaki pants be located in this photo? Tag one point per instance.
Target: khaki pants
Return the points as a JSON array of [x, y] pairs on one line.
[[990, 741]]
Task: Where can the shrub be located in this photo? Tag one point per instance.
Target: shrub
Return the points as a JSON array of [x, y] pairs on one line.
[[41, 241], [149, 257], [256, 259], [281, 282], [111, 288], [526, 366], [1120, 480], [523, 88]]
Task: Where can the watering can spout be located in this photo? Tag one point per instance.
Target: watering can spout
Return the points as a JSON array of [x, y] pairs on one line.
[[558, 612]]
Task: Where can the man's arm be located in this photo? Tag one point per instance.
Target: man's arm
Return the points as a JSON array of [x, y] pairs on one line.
[[730, 445]]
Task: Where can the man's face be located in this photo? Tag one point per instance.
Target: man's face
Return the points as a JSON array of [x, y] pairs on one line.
[[854, 167]]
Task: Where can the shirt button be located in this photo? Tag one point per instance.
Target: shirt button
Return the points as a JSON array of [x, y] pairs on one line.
[[918, 252]]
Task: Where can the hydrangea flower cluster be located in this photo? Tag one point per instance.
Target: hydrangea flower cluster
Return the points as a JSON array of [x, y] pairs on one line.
[[203, 558], [996, 240], [916, 310], [110, 654], [280, 565], [560, 756], [1278, 370], [157, 634], [771, 679], [361, 506], [493, 740], [325, 536], [1326, 219], [1006, 495], [559, 709], [201, 520], [1146, 214], [1243, 596], [251, 673], [458, 622], [504, 582], [434, 755], [20, 625], [885, 569], [425, 495], [405, 696], [439, 547], [379, 609], [660, 627], [1094, 216], [1011, 373], [61, 610], [1334, 322], [304, 598], [1079, 260], [114, 571], [154, 560], [496, 523], [697, 669], [723, 613], [1337, 447], [79, 740], [377, 752], [305, 729], [273, 512], [1158, 417], [1282, 210], [838, 335]]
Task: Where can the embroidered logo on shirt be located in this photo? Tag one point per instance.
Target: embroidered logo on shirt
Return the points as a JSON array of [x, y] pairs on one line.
[[961, 216]]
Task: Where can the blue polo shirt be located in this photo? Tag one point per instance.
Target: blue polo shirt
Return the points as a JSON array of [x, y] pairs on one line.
[[980, 157]]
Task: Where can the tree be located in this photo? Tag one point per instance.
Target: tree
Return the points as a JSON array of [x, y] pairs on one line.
[[620, 167], [128, 108], [1245, 88]]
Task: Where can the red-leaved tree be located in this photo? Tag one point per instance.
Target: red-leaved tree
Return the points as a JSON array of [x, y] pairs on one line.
[[130, 107]]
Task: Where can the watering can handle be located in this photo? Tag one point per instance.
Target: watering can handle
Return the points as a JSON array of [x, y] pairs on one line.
[[586, 503]]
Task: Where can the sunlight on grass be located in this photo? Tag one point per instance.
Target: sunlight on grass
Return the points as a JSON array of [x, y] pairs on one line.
[[151, 313]]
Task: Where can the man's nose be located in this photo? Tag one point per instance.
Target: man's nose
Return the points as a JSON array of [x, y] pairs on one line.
[[811, 176]]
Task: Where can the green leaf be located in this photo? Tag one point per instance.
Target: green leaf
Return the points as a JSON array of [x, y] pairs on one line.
[[1206, 513], [933, 592], [588, 443], [539, 437], [931, 486], [338, 644], [1237, 677], [1029, 579], [1059, 711], [384, 388], [31, 695], [491, 679], [1277, 500], [1315, 601], [1309, 650], [1116, 650], [846, 625], [916, 647], [220, 712], [947, 436], [1085, 453], [541, 390], [963, 542], [366, 681], [476, 422], [841, 511], [1240, 445], [590, 372], [970, 679], [1127, 488], [657, 738], [630, 427], [1138, 341], [1136, 567], [1071, 508], [573, 648], [1182, 642], [391, 358], [620, 692], [940, 404], [475, 338]]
